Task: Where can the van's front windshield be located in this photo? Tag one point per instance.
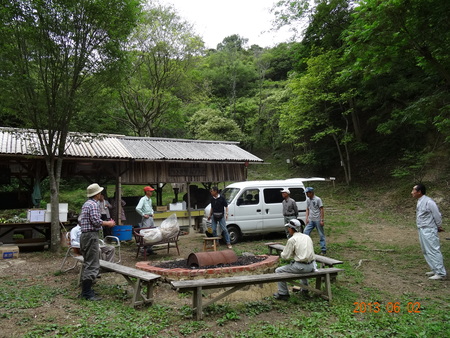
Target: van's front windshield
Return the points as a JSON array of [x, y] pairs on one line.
[[229, 194]]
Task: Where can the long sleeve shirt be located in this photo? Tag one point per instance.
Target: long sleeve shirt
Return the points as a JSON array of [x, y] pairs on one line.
[[75, 234], [427, 213], [144, 206], [104, 208], [300, 248], [91, 219], [290, 207]]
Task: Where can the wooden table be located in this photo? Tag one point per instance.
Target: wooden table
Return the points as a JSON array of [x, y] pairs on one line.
[[43, 228]]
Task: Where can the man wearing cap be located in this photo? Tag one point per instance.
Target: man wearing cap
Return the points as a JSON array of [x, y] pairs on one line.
[[299, 248], [145, 208], [315, 217], [90, 224], [290, 210]]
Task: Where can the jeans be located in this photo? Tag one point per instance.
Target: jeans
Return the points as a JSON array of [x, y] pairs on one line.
[[316, 224], [223, 226], [294, 267]]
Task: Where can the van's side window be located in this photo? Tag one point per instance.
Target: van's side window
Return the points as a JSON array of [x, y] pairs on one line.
[[297, 194], [273, 195], [249, 197]]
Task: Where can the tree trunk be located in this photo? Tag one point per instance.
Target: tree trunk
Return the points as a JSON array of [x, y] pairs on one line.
[[341, 158], [54, 175]]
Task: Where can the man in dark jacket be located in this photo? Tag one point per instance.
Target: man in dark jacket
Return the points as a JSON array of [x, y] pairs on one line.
[[219, 214]]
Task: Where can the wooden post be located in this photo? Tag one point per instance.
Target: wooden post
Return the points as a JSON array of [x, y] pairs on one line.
[[189, 205], [119, 200]]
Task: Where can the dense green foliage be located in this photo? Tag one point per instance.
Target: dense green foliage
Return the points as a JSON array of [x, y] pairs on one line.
[[367, 83]]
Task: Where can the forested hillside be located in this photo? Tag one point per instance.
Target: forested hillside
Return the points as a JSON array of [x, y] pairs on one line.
[[363, 90]]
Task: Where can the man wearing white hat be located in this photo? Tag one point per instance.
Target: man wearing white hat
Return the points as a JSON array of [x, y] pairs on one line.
[[90, 224], [290, 209], [299, 248]]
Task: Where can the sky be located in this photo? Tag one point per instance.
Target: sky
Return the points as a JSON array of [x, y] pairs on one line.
[[214, 20]]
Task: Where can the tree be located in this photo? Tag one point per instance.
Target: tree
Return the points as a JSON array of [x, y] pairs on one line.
[[318, 109], [210, 124], [51, 52], [231, 72], [163, 50], [401, 51]]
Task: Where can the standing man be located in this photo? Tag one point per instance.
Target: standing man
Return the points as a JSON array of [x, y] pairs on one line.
[[104, 206], [299, 248], [429, 220], [90, 224], [145, 208], [290, 210], [219, 214], [315, 217]]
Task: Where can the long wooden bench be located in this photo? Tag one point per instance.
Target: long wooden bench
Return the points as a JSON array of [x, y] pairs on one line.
[[238, 282], [143, 278], [322, 260]]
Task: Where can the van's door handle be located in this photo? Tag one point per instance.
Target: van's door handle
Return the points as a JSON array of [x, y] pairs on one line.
[[258, 210]]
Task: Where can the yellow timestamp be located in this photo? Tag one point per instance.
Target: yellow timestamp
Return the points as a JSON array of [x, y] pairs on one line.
[[391, 307]]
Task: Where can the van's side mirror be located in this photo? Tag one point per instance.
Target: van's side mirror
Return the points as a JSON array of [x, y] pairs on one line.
[[240, 201]]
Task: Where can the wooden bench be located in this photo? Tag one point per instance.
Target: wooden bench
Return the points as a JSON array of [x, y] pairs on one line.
[[141, 245], [143, 278], [238, 282], [322, 260]]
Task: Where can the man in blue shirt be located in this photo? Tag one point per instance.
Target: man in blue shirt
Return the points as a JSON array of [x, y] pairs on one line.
[[429, 220], [145, 208]]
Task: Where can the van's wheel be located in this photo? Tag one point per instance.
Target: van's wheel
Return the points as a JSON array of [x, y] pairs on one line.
[[235, 234]]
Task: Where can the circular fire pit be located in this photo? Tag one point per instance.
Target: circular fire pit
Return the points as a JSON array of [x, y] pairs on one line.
[[267, 265], [256, 292]]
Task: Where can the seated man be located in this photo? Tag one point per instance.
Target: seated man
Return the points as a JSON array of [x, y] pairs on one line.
[[106, 251], [299, 247]]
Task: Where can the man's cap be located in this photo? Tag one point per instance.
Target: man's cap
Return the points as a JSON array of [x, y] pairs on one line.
[[148, 188], [93, 190], [286, 191], [309, 189], [294, 224]]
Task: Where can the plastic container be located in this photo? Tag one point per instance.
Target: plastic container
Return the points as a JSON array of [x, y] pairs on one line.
[[123, 232], [63, 207], [62, 216]]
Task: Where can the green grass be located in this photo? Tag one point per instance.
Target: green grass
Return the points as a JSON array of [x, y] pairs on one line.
[[22, 299]]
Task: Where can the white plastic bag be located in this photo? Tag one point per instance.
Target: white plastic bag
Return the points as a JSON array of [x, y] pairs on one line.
[[151, 235], [169, 227]]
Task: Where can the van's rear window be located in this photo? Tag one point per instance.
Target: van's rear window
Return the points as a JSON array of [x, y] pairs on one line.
[[297, 194], [273, 195]]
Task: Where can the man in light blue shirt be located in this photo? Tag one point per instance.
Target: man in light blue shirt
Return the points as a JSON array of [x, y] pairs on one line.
[[429, 220], [145, 208]]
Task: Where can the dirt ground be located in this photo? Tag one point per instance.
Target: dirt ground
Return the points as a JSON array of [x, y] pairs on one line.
[[377, 250]]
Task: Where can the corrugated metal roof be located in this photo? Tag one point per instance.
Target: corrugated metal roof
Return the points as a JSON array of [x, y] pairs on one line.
[[24, 142]]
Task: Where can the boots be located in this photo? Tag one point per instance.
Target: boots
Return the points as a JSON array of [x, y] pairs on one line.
[[87, 292]]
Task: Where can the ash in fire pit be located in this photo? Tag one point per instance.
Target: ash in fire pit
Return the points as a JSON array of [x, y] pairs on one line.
[[183, 264]]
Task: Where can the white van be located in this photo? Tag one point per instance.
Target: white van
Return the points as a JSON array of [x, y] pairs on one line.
[[254, 207]]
